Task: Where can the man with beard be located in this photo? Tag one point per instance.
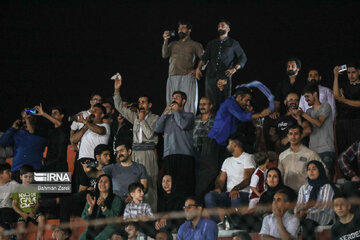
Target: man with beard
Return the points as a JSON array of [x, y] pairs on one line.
[[279, 129], [144, 138], [196, 227], [177, 126], [285, 86], [325, 94], [203, 124], [236, 174], [223, 56], [123, 172], [182, 55], [322, 136]]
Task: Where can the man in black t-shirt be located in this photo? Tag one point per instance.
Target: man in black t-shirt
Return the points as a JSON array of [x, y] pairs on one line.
[[348, 225], [279, 127]]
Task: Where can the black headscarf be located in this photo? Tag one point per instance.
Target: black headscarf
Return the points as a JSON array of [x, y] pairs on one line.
[[318, 182]]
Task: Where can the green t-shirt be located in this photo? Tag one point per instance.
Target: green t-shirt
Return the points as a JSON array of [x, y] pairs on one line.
[[27, 197]]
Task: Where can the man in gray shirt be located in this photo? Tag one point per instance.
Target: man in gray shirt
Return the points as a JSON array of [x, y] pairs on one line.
[[182, 55], [177, 126], [322, 136], [123, 172]]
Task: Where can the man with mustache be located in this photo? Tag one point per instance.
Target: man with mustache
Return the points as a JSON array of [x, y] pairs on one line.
[[144, 138], [279, 130], [223, 56], [287, 85], [325, 94], [182, 55], [177, 126]]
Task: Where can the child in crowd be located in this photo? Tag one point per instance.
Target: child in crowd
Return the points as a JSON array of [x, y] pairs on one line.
[[25, 201], [137, 208], [257, 183], [132, 230]]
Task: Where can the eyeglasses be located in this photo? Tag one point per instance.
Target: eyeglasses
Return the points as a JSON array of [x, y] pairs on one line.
[[190, 206]]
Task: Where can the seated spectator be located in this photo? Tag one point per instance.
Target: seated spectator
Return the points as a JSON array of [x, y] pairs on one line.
[[137, 208], [257, 182], [119, 235], [196, 227], [25, 202], [28, 148], [61, 234], [348, 224], [56, 156], [292, 162], [163, 235], [280, 224], [236, 174], [313, 206], [274, 183], [103, 204], [169, 200], [346, 93], [7, 186], [123, 172], [132, 230], [276, 128], [349, 162]]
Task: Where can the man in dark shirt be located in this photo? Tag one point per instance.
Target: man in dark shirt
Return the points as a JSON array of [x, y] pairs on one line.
[[224, 56], [287, 85], [280, 126], [348, 225], [56, 157]]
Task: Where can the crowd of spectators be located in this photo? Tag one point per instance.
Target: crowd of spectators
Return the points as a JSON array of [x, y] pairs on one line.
[[227, 164]]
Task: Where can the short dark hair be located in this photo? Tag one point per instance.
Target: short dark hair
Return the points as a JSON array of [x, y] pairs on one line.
[[184, 22], [99, 105], [4, 167], [61, 109], [298, 62], [260, 158], [286, 193], [26, 168], [196, 199], [99, 149], [120, 142], [353, 64], [295, 127], [168, 234], [237, 138], [314, 69], [183, 95], [311, 88], [93, 95], [109, 101], [225, 21], [242, 91], [146, 96], [133, 186]]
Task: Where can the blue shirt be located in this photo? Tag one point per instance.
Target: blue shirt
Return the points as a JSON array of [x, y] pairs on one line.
[[205, 229], [28, 148], [227, 119]]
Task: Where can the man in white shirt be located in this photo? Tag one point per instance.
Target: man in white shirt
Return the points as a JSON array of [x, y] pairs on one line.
[[280, 224], [236, 172], [93, 133]]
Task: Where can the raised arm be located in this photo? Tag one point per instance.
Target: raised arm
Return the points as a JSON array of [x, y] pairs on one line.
[[124, 111]]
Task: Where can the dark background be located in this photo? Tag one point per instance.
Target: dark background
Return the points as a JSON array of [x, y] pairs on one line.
[[60, 52]]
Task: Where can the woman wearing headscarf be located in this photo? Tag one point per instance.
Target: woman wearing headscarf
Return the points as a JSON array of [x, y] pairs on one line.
[[314, 200], [104, 204]]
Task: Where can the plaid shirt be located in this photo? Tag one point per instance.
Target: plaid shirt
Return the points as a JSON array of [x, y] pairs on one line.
[[346, 158], [201, 130], [133, 210]]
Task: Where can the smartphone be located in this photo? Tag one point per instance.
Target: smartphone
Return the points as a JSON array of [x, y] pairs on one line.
[[31, 111], [172, 33], [342, 68], [92, 164]]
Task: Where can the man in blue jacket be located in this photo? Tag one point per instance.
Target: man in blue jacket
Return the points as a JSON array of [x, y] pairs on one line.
[[230, 115]]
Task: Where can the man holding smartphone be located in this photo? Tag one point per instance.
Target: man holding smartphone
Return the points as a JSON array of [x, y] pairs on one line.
[[182, 55]]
